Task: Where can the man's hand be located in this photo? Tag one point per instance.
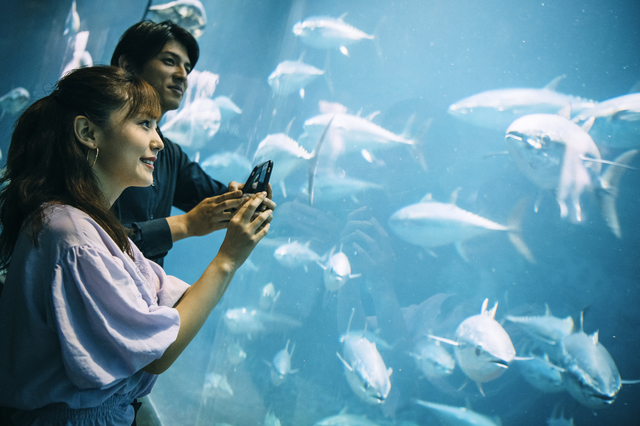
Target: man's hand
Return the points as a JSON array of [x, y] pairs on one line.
[[210, 215]]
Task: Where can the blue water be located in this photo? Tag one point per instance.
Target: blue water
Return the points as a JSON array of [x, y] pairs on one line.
[[425, 56]]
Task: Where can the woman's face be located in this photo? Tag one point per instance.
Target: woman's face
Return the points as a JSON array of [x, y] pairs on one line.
[[128, 151]]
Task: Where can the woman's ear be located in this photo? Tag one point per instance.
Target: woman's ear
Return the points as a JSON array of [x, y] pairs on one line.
[[85, 131]]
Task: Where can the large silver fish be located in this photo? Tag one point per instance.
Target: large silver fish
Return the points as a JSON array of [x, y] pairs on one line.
[[291, 77], [76, 49], [189, 14], [557, 154], [432, 359], [252, 321], [281, 366], [617, 121], [364, 368], [328, 33], [14, 101], [333, 187], [496, 109], [458, 416], [545, 327], [432, 224], [294, 254], [483, 348], [337, 271]]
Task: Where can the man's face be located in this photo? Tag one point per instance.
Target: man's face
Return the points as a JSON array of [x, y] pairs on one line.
[[167, 73]]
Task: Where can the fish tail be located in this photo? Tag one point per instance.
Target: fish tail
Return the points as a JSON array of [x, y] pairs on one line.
[[515, 235], [608, 191], [418, 141]]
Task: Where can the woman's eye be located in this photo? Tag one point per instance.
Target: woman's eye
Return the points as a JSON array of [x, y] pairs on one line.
[[146, 123]]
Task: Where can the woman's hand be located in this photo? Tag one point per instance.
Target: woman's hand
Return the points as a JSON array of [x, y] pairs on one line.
[[245, 229]]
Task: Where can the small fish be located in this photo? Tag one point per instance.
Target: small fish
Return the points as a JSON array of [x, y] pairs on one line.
[[72, 23], [540, 373], [496, 109], [14, 101], [227, 166], [331, 187], [235, 353], [228, 109], [268, 297], [557, 418], [281, 366], [189, 14], [556, 154], [483, 348], [270, 419], [547, 328], [337, 271], [217, 386], [458, 416], [364, 368], [293, 255], [432, 224], [328, 33], [616, 122], [79, 55], [433, 360], [195, 125], [291, 77], [255, 321]]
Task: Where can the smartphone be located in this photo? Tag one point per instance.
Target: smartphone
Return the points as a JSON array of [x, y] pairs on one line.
[[259, 178]]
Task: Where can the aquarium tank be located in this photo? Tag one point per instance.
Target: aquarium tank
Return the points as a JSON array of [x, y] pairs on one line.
[[457, 185]]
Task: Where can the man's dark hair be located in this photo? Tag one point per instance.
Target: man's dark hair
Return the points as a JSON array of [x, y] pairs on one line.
[[144, 40]]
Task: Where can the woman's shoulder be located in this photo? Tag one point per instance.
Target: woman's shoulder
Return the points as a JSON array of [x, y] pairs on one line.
[[67, 223]]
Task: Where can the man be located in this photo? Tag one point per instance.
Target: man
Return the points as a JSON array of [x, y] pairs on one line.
[[164, 54]]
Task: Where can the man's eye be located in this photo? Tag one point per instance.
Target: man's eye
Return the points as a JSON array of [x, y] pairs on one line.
[[168, 61]]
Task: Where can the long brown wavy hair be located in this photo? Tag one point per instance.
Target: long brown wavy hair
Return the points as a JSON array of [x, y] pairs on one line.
[[46, 164]]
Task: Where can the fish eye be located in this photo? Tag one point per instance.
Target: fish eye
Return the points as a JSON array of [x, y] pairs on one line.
[[479, 350], [545, 140]]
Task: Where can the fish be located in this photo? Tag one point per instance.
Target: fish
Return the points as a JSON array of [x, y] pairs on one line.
[[72, 23], [14, 101], [541, 373], [331, 187], [227, 166], [291, 77], [496, 109], [364, 368], [216, 385], [458, 416], [328, 33], [195, 125], [189, 14], [483, 348], [432, 359], [616, 122], [252, 321], [235, 353], [228, 109], [556, 154], [293, 255], [432, 224], [270, 419], [344, 419], [546, 328], [281, 366], [351, 133], [558, 419], [76, 48], [268, 297], [337, 271]]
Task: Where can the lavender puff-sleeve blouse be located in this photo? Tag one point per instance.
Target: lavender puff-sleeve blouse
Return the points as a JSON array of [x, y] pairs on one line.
[[79, 319]]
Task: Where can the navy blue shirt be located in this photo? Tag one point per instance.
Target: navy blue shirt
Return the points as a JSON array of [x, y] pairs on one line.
[[178, 182]]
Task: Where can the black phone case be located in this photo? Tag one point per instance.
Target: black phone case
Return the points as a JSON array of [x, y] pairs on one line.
[[258, 180]]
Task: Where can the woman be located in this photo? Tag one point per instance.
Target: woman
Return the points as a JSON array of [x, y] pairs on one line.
[[86, 322]]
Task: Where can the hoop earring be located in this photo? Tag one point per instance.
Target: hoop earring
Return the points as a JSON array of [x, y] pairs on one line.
[[95, 159]]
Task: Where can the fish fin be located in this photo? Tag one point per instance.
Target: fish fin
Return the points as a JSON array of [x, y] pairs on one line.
[[267, 362], [492, 312], [536, 203], [344, 51], [389, 371], [306, 268], [313, 161], [586, 126], [629, 382], [301, 93], [466, 382], [367, 156], [418, 143], [608, 194], [514, 225], [480, 387], [547, 310], [553, 84], [354, 275], [454, 195], [461, 251], [427, 198], [294, 371], [485, 304], [341, 17], [320, 264], [594, 338], [442, 339], [344, 362], [565, 112], [282, 187]]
